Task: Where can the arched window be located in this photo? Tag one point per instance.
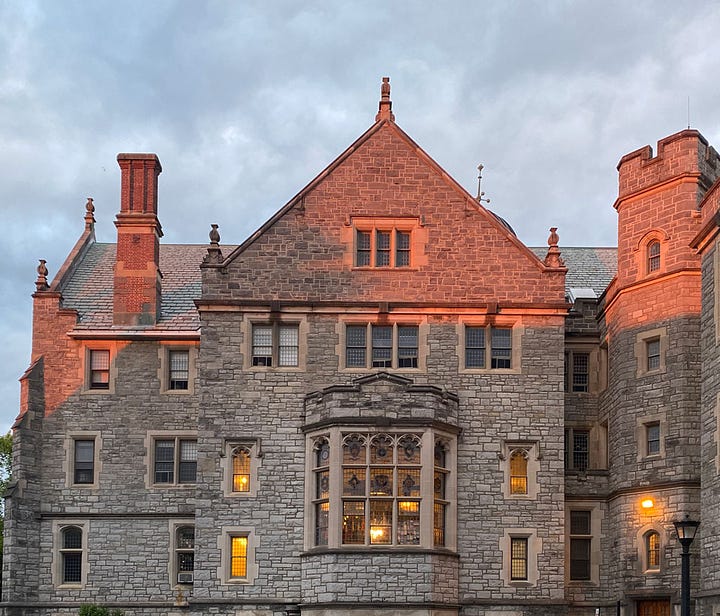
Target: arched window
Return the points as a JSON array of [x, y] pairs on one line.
[[185, 554], [652, 550], [241, 469], [518, 471], [71, 552], [653, 256]]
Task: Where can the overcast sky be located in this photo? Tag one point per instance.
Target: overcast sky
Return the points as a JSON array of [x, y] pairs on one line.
[[245, 102]]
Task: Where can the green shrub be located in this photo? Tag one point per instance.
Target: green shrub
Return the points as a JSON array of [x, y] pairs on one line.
[[96, 610]]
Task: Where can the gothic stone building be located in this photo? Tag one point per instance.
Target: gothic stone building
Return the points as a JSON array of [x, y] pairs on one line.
[[381, 403]]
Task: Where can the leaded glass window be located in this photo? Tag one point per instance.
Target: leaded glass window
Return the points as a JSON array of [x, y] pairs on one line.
[[72, 554], [179, 369], [241, 469], [275, 345], [519, 471], [518, 558], [238, 556], [652, 547]]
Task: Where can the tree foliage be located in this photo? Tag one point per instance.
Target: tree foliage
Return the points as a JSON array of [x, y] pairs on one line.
[[96, 610], [5, 469]]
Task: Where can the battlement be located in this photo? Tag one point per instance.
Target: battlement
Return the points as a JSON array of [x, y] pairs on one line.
[[684, 153]]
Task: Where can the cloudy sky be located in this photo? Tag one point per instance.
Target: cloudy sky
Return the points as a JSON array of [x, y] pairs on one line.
[[246, 101]]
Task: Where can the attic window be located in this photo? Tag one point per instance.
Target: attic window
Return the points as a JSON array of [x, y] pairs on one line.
[[387, 247]]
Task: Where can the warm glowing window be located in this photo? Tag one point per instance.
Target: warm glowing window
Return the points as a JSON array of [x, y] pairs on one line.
[[518, 471], [238, 557], [652, 549], [518, 558], [241, 469], [100, 369], [380, 489], [653, 256]]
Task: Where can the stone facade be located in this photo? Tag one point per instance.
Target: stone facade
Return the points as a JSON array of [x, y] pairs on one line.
[[239, 404]]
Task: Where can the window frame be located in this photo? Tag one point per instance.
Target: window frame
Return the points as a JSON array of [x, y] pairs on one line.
[[59, 552], [399, 249], [396, 350], [523, 543], [571, 371], [492, 354], [225, 542], [88, 351], [327, 494], [533, 546], [642, 433], [252, 447], [176, 551], [580, 538], [643, 340], [165, 352], [276, 330], [653, 252], [70, 461], [652, 565], [529, 450], [572, 449], [274, 320], [177, 437]]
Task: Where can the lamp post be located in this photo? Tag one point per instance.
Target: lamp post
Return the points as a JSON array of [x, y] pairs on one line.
[[686, 530]]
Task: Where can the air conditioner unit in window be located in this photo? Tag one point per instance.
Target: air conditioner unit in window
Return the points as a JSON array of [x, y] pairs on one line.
[[185, 578]]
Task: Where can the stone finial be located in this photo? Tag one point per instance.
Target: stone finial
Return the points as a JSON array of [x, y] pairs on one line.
[[41, 284], [552, 259], [89, 211], [214, 254], [214, 235], [385, 108]]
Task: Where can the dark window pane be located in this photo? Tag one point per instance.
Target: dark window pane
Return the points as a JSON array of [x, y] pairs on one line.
[[501, 352], [581, 363], [402, 249], [580, 559], [84, 461], [474, 347], [580, 522], [407, 347], [355, 346], [164, 461], [188, 462], [382, 346], [362, 255], [72, 567], [580, 449], [382, 248]]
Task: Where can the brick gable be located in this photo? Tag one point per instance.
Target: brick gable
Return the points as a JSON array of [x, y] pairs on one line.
[[462, 253]]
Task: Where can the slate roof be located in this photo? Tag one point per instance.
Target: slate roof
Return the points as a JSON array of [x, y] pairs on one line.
[[588, 268], [89, 288]]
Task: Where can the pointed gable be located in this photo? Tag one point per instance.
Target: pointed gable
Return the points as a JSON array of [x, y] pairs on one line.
[[384, 223]]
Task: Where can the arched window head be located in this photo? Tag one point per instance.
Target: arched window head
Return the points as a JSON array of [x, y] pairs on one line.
[[653, 256], [241, 469], [652, 550], [518, 471], [71, 551]]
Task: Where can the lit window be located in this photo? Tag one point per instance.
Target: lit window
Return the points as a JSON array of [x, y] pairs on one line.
[[238, 557], [580, 545], [99, 369], [518, 558], [652, 435], [71, 555], [175, 461], [518, 471], [577, 371], [240, 469], [391, 346], [652, 550], [179, 369], [652, 349], [185, 554], [381, 494], [84, 461], [577, 452], [382, 248], [653, 256], [275, 345]]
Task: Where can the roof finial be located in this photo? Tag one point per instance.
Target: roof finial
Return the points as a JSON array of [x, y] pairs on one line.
[[41, 283], [89, 210], [214, 254], [385, 108], [552, 259]]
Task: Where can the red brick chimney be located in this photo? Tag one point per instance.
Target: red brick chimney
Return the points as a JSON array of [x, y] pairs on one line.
[[136, 291]]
